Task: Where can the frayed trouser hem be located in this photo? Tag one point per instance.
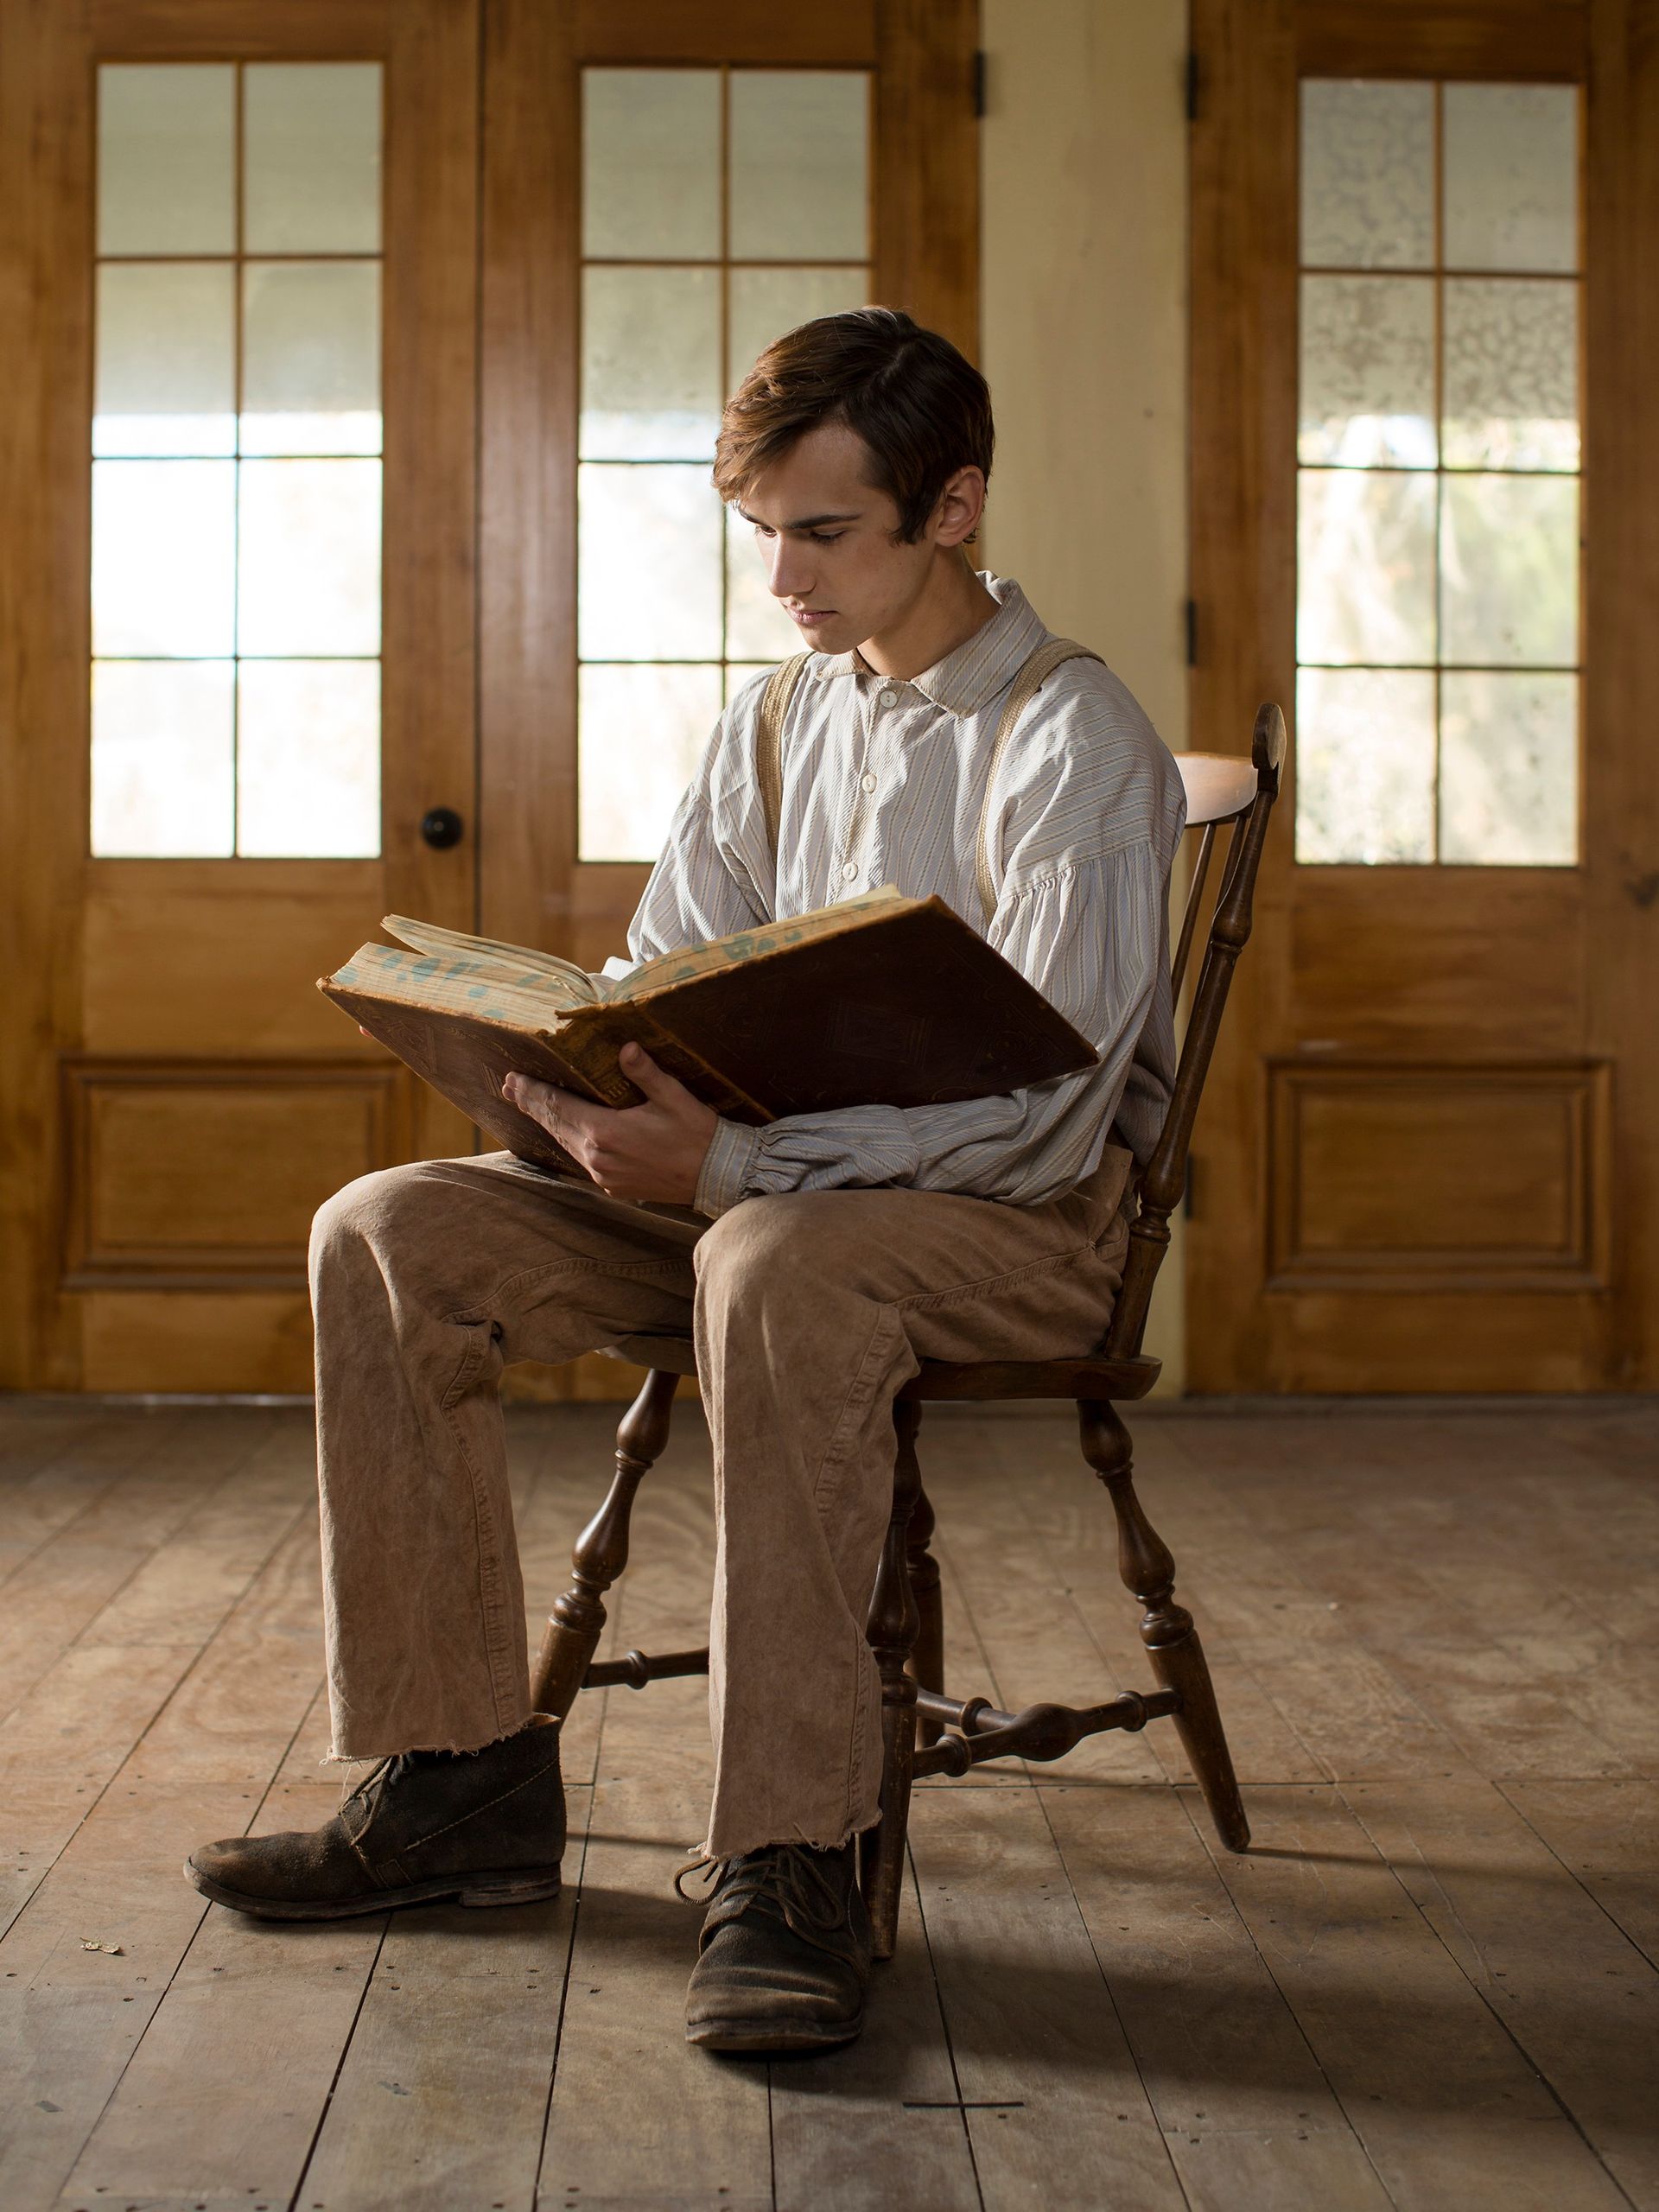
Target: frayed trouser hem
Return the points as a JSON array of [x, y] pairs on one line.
[[333, 1757], [705, 1855]]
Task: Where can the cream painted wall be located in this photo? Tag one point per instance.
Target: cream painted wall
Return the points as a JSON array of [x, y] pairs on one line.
[[1083, 278]]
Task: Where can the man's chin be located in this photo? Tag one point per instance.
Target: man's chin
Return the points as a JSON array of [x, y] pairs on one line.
[[839, 636]]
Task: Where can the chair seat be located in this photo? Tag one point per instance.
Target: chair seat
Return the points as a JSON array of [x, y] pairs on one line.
[[989, 1379], [666, 1355]]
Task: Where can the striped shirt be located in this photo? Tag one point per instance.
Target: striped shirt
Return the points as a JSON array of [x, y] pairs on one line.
[[883, 782]]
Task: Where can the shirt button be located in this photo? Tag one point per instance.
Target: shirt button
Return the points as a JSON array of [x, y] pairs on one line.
[[888, 699], [869, 783], [850, 873]]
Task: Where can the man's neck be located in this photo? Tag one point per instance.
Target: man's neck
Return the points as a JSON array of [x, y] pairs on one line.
[[953, 608]]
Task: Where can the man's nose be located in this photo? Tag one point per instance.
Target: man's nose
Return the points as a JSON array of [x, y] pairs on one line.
[[790, 570]]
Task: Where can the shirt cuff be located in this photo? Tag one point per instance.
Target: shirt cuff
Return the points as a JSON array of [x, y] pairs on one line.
[[724, 1166]]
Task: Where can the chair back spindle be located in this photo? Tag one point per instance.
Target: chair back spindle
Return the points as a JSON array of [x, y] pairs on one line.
[[1190, 917], [1165, 1176]]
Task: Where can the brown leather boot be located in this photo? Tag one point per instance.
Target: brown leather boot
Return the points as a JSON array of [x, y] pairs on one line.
[[785, 1953], [486, 1827]]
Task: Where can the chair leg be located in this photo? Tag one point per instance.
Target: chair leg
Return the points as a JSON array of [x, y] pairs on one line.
[[891, 1629], [1147, 1568], [927, 1660], [601, 1552]]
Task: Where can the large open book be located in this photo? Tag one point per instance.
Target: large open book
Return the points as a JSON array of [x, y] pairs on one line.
[[878, 1001]]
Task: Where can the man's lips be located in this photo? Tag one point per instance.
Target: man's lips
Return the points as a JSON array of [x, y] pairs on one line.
[[810, 614]]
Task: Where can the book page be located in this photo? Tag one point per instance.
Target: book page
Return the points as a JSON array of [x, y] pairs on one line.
[[455, 983], [748, 945], [518, 963]]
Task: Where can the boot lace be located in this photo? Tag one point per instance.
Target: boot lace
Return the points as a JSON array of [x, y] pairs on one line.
[[784, 1881], [378, 1779]]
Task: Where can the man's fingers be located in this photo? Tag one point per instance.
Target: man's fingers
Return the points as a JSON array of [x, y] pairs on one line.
[[556, 1110], [644, 1074]]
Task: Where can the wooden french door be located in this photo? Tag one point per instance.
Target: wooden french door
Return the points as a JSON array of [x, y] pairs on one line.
[[1429, 1160], [205, 204], [200, 202]]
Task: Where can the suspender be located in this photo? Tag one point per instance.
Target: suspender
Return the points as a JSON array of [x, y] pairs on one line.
[[769, 740], [1034, 672]]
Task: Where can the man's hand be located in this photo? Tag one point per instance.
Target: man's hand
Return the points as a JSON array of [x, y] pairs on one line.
[[654, 1151]]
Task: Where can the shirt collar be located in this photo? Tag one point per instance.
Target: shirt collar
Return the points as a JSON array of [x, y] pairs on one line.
[[974, 672]]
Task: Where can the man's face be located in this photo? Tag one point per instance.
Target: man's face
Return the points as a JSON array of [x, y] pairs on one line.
[[828, 539]]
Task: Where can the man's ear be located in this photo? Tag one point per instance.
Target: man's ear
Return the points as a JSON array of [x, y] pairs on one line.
[[961, 504]]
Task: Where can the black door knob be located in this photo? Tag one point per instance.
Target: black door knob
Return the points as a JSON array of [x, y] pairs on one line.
[[441, 826]]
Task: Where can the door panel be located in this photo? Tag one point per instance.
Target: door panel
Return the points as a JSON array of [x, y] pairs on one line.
[[1428, 1154], [195, 1219], [1507, 1191]]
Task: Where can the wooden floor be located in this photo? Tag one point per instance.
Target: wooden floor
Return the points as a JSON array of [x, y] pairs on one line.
[[1430, 1985]]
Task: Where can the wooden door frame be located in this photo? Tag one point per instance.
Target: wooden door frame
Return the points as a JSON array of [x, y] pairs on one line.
[[48, 49], [925, 165], [1249, 54]]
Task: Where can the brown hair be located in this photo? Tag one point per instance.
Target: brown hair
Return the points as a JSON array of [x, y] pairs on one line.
[[922, 410]]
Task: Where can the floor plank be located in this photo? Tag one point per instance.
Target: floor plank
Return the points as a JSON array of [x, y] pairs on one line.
[[1607, 1833], [1057, 2113], [56, 1468], [1578, 1997], [70, 2019], [1247, 2115], [1448, 2109]]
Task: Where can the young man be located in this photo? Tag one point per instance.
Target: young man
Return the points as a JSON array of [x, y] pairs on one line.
[[822, 1257]]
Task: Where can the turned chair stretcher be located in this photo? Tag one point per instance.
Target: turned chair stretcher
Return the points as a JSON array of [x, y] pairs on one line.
[[924, 1731]]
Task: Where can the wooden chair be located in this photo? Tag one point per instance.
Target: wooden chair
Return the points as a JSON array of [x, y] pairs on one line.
[[924, 1731]]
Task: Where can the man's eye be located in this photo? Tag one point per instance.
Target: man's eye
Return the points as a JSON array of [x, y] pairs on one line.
[[826, 537]]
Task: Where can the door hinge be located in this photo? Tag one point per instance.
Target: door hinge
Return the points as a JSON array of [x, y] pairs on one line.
[[1191, 87], [979, 82], [1192, 633]]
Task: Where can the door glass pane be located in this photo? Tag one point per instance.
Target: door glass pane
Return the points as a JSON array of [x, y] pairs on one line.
[[1510, 769], [1368, 371], [648, 563], [1365, 542], [650, 384], [799, 160], [1367, 174], [311, 357], [741, 198], [651, 164], [163, 557], [1438, 490], [765, 303], [308, 766], [166, 158], [222, 550], [163, 759], [1364, 765], [1511, 394], [166, 359], [643, 733], [312, 157], [1510, 571], [1511, 176], [308, 565]]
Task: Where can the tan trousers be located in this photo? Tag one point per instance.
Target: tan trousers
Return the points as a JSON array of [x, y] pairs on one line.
[[809, 1312]]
